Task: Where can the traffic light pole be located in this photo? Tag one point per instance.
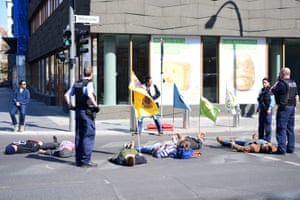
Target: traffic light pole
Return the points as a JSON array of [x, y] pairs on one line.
[[72, 61]]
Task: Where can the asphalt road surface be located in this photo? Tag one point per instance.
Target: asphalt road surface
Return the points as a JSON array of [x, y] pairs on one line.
[[219, 173]]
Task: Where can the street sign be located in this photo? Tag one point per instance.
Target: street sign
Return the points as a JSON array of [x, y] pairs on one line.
[[86, 19]]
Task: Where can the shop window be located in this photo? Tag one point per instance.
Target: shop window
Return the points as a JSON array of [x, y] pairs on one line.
[[292, 59], [210, 68]]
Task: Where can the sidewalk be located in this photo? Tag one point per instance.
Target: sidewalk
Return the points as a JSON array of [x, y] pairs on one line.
[[45, 119]]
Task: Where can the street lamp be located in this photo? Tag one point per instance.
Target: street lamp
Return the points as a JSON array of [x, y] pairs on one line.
[[212, 20], [209, 25]]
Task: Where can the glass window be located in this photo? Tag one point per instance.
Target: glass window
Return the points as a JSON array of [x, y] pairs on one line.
[[275, 58], [140, 63], [292, 59], [210, 68]]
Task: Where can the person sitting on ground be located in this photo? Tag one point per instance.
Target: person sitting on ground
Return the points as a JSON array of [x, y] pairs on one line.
[[196, 142], [129, 156], [65, 149], [254, 145]]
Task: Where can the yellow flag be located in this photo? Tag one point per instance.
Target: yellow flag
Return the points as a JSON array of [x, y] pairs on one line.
[[144, 105], [134, 82]]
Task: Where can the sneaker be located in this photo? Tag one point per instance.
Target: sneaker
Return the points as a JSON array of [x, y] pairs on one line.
[[21, 129], [16, 128], [289, 151], [278, 152], [88, 165], [55, 139]]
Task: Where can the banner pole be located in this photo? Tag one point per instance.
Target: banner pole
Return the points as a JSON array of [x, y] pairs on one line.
[[161, 76]]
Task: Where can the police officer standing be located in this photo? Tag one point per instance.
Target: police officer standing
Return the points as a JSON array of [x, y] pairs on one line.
[[86, 109], [286, 96], [265, 106]]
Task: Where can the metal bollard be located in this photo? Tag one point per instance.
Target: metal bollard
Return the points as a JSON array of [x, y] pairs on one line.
[[132, 119], [186, 119], [236, 116]]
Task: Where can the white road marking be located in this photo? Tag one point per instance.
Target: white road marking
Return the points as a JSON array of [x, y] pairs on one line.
[[292, 163]]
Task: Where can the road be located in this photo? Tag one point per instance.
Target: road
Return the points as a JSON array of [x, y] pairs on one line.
[[219, 173]]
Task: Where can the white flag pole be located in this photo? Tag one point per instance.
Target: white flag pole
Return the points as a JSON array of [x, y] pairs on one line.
[[161, 76]]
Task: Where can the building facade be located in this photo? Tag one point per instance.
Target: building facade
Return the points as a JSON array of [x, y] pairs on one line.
[[204, 47]]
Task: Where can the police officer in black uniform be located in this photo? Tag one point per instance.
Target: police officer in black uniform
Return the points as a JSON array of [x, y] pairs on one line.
[[86, 109], [286, 96], [265, 107]]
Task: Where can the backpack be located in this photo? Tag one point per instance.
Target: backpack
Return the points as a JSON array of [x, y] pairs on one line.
[[183, 153]]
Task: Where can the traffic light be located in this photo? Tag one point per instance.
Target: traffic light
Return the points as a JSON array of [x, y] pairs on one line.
[[61, 56], [67, 38], [82, 40]]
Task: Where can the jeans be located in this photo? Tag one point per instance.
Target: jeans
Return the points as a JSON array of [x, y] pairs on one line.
[[265, 125], [227, 143], [155, 119], [14, 110], [84, 137], [285, 124]]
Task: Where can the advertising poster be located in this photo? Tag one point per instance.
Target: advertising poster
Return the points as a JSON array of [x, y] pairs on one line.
[[181, 65], [242, 68]]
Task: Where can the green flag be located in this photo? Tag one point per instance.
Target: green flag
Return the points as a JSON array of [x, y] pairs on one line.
[[208, 110]]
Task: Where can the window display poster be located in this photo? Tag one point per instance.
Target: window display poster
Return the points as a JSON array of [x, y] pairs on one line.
[[242, 68], [176, 60]]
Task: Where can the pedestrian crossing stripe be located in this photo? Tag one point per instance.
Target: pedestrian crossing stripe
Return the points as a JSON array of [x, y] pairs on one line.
[[292, 163]]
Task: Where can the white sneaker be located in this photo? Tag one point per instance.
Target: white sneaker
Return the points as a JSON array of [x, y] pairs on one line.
[[16, 128], [21, 128]]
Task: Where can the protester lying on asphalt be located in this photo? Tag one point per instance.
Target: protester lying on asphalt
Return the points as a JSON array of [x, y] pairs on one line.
[[253, 145], [50, 148], [196, 142], [169, 149], [65, 149], [128, 156]]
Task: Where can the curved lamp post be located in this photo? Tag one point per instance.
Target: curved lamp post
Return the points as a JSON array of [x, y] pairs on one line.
[[212, 20], [208, 25]]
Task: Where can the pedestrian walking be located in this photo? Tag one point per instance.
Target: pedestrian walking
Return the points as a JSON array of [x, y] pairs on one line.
[[20, 100]]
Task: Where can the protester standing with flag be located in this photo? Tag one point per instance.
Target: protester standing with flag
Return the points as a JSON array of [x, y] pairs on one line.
[[154, 93], [144, 104]]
